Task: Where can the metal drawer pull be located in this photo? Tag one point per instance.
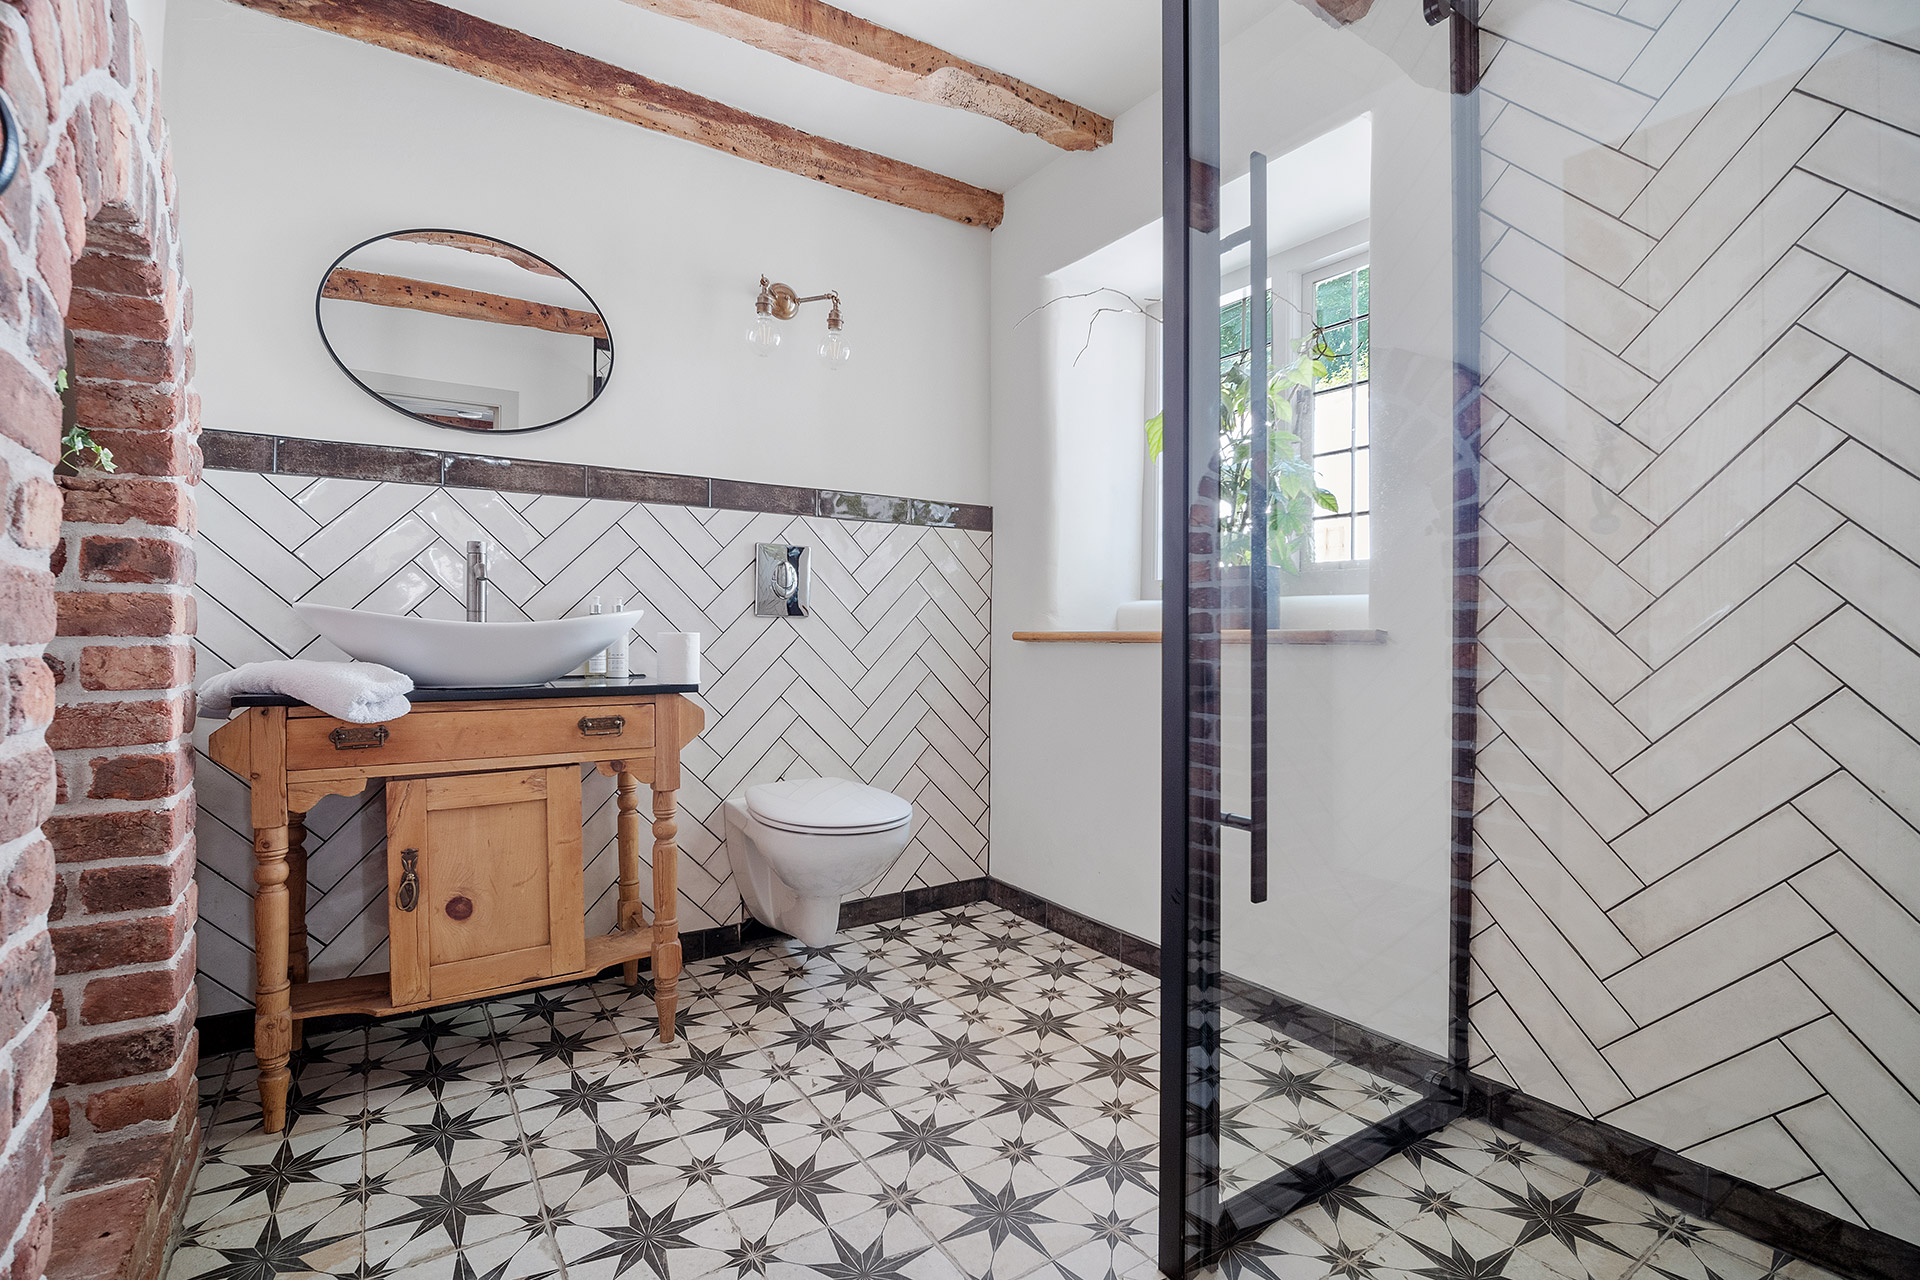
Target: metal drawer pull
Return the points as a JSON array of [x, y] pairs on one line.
[[603, 726], [358, 737], [409, 896]]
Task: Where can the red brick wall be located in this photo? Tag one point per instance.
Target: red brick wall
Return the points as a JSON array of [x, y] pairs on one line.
[[96, 784]]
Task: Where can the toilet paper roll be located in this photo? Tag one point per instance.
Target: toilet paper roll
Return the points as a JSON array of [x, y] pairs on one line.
[[677, 657]]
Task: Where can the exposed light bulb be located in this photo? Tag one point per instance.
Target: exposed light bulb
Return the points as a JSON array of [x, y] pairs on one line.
[[762, 334], [835, 351]]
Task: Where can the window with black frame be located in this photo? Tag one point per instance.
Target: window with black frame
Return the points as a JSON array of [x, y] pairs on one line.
[[1339, 438]]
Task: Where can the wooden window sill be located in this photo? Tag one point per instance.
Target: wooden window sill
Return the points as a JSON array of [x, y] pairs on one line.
[[1362, 636]]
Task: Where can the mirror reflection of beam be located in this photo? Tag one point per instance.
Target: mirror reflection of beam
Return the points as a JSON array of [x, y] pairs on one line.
[[348, 285], [482, 244]]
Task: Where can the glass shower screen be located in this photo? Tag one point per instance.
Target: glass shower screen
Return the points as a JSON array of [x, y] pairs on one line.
[[1310, 825]]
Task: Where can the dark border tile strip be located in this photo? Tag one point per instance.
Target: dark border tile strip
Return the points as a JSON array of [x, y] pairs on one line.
[[289, 455], [354, 461]]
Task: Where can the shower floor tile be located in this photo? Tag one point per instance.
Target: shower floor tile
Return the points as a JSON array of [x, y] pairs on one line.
[[957, 1095]]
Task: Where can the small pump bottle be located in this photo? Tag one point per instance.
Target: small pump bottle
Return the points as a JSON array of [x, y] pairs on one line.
[[619, 653], [597, 664]]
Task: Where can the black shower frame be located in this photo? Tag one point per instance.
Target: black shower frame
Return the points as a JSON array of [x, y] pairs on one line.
[[1189, 833]]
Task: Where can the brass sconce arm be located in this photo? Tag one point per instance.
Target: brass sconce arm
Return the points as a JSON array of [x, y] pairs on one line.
[[782, 303]]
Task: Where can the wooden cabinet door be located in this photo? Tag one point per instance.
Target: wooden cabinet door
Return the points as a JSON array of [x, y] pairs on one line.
[[483, 878]]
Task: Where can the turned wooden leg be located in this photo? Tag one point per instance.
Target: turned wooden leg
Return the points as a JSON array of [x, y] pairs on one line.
[[272, 1021], [297, 904], [297, 896], [666, 910], [628, 795]]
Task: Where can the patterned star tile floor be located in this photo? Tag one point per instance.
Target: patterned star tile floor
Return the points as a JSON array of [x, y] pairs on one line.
[[958, 1094]]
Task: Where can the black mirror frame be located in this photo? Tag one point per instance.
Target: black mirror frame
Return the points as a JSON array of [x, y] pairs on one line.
[[319, 295]]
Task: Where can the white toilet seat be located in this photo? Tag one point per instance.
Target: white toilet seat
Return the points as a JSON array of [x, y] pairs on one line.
[[798, 847], [827, 806]]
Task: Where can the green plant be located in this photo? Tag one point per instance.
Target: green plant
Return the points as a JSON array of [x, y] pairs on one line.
[[77, 445], [1293, 497]]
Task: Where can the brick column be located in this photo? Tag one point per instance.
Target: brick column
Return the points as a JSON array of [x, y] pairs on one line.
[[29, 436], [97, 960]]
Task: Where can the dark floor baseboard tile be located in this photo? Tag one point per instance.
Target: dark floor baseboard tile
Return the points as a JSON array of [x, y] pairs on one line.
[[1770, 1217], [290, 455], [1336, 1037], [1135, 953]]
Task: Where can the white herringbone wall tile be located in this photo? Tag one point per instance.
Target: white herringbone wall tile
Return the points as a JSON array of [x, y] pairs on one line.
[[886, 681], [1698, 869]]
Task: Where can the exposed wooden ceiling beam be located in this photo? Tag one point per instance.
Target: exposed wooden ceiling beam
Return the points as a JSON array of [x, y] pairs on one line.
[[517, 60], [832, 40], [482, 244], [347, 285]]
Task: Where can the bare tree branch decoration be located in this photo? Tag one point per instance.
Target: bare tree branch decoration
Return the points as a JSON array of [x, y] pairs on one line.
[[1134, 307]]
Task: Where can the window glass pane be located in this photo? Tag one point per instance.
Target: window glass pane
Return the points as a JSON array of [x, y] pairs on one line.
[[1360, 355], [1360, 413], [1334, 473], [1332, 538], [1339, 341], [1333, 420], [1233, 328], [1333, 300], [1360, 307], [1362, 481], [1362, 540]]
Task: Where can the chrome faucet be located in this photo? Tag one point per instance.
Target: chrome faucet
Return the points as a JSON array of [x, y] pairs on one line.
[[477, 581]]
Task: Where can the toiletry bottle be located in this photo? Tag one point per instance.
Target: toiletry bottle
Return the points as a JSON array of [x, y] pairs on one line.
[[619, 653], [597, 664]]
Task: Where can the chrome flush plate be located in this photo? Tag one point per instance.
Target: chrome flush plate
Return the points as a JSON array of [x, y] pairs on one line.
[[781, 580]]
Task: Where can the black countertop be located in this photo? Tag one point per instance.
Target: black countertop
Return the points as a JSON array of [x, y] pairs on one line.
[[564, 687]]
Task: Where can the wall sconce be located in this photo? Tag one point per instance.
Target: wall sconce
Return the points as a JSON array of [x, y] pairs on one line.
[[780, 302]]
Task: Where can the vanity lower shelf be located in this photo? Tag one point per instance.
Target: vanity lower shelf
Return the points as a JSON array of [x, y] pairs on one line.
[[372, 993]]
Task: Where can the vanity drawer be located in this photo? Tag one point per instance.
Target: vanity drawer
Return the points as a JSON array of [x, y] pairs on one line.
[[435, 737]]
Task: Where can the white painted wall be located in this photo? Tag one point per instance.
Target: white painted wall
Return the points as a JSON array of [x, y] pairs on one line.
[[151, 17], [1358, 917], [291, 145]]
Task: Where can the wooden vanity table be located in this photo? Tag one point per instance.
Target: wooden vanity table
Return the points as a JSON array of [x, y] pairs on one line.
[[483, 845]]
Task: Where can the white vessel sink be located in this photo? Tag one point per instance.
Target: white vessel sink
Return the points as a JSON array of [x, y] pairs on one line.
[[469, 654]]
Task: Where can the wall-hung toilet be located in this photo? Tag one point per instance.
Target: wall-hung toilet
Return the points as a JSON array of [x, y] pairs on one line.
[[798, 847]]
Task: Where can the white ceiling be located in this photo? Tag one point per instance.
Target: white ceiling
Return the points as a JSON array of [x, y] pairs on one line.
[[1101, 54]]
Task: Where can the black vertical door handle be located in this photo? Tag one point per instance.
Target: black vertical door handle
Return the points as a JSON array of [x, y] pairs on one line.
[[1259, 499]]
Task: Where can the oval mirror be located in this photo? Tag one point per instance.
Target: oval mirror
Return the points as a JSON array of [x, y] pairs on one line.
[[464, 331]]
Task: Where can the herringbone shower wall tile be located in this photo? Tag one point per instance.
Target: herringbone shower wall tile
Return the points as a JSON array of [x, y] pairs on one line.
[[886, 681], [1697, 865]]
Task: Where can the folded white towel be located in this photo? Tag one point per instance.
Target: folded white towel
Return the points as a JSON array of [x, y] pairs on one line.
[[362, 692]]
